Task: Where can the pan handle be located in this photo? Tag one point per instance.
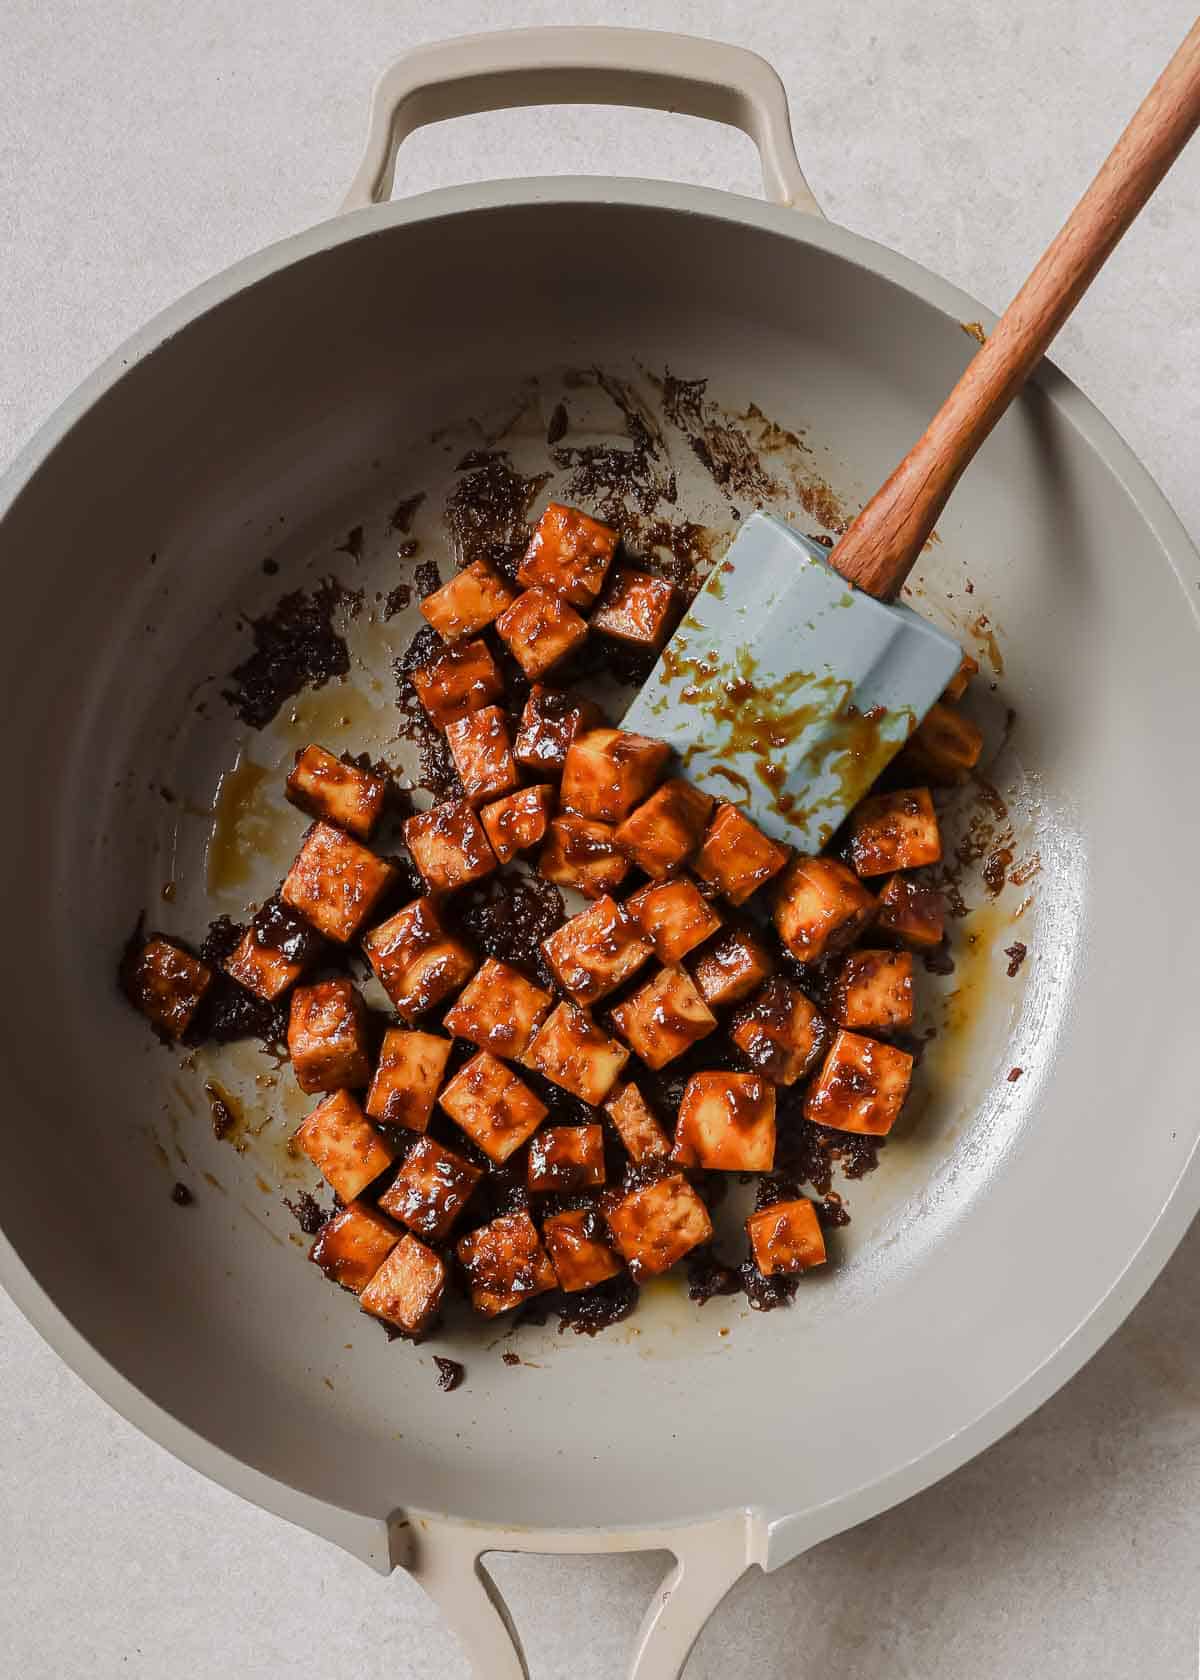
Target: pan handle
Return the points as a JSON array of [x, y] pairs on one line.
[[596, 66]]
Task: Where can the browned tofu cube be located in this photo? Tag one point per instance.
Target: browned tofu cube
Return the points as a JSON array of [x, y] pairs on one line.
[[343, 1145], [407, 1289], [417, 962], [460, 679], [449, 846], [736, 857], [957, 686], [726, 1123], [894, 831], [780, 1032], [431, 1189], [505, 1264], [568, 555], [944, 747], [873, 991], [470, 601], [637, 608], [583, 855], [861, 1086], [482, 754], [323, 787], [327, 1037], [595, 951], [166, 983], [786, 1237], [570, 1050], [654, 1227], [820, 907], [335, 883], [518, 822], [639, 1131], [579, 1250], [500, 1010], [664, 1018], [550, 722], [497, 1110], [912, 913], [405, 1084], [540, 630], [273, 952], [351, 1247], [566, 1158], [666, 829], [609, 771], [732, 967], [674, 916]]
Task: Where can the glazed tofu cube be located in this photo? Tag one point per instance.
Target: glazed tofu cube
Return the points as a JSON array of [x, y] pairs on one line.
[[944, 747], [323, 787], [664, 1018], [351, 1247], [519, 822], [894, 831], [582, 855], [820, 907], [873, 991], [578, 1249], [273, 952], [567, 1158], [407, 1289], [482, 754], [666, 829], [654, 1227], [343, 1145], [861, 1086], [335, 883], [957, 686], [780, 1032], [460, 679], [568, 555], [736, 857], [593, 953], [166, 983], [497, 1110], [674, 916], [609, 771], [726, 1123], [406, 1081], [471, 600], [431, 1189], [637, 608], [417, 962], [639, 1131], [570, 1050], [500, 1010], [540, 630], [550, 722], [449, 846], [505, 1264], [732, 967], [786, 1237], [912, 913], [327, 1037]]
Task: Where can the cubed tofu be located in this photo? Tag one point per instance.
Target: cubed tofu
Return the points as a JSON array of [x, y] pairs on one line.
[[550, 722], [664, 831], [327, 1037], [351, 1247], [274, 951], [579, 1250], [500, 1010], [861, 1086], [566, 1158], [786, 1237], [597, 950], [166, 983], [505, 1264], [726, 1123], [732, 967], [957, 686], [571, 1051], [417, 962], [780, 1032], [407, 1289], [873, 991], [406, 1081], [654, 1227], [894, 831], [459, 679], [664, 1017], [609, 771], [637, 1128], [912, 912], [540, 630], [518, 822], [343, 1145], [323, 787], [674, 916], [583, 855], [471, 600], [736, 857], [944, 746], [335, 883], [449, 846], [496, 1110], [431, 1189], [568, 555], [482, 754], [637, 608], [820, 907]]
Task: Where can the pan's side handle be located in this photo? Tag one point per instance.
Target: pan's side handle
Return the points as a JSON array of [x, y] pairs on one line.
[[586, 66]]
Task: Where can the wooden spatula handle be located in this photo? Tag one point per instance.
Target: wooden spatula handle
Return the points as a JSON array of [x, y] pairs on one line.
[[881, 546]]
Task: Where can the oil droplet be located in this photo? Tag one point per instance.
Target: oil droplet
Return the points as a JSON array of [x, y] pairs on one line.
[[245, 823]]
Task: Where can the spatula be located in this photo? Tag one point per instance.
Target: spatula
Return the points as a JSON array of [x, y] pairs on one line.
[[793, 680]]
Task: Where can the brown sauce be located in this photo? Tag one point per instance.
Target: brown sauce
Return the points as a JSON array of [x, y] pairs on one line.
[[296, 645]]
